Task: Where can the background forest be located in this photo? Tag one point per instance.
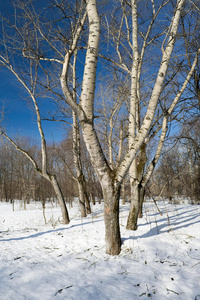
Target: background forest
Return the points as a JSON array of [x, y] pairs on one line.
[[113, 90], [176, 177], [124, 78]]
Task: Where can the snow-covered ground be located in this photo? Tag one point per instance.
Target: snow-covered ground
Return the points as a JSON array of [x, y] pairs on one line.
[[161, 260]]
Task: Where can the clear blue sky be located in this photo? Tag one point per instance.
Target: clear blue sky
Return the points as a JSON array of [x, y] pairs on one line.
[[18, 118]]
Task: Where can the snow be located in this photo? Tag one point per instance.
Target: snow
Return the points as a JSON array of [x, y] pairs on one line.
[[161, 260]]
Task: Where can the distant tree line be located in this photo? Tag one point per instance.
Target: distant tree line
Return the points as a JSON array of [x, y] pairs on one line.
[[125, 73], [19, 180], [178, 172]]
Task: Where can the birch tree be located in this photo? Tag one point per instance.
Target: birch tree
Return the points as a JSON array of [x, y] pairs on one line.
[[80, 177], [139, 46], [109, 178], [45, 32], [30, 87], [135, 40]]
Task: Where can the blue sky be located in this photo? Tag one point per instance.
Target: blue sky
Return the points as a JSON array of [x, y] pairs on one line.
[[18, 118]]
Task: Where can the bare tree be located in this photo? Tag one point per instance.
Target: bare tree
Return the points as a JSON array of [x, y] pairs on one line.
[[30, 86], [80, 177], [132, 44], [111, 179]]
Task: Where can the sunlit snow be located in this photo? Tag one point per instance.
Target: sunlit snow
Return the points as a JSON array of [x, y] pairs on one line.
[[161, 260]]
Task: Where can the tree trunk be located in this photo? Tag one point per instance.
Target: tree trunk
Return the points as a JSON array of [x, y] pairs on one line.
[[87, 204], [134, 209], [111, 197], [123, 193], [92, 198], [43, 210], [137, 172], [24, 202], [87, 200], [61, 199], [142, 194], [81, 197]]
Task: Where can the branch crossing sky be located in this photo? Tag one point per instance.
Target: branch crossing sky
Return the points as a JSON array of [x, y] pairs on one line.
[[18, 118]]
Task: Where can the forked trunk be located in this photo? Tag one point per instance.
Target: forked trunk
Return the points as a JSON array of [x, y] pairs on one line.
[[111, 197], [61, 200]]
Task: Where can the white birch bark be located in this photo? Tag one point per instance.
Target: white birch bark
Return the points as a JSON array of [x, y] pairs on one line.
[[51, 178], [76, 147], [151, 167], [65, 69], [133, 116], [166, 55], [60, 198], [110, 180], [165, 123], [110, 191], [43, 171], [145, 178], [135, 176], [87, 95]]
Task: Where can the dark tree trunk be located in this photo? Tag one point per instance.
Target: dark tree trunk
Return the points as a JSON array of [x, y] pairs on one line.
[[142, 194], [111, 197], [81, 197], [134, 209]]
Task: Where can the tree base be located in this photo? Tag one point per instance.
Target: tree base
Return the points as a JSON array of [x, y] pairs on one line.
[[132, 227]]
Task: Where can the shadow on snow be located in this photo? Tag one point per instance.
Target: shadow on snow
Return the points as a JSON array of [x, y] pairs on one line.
[[175, 222], [45, 232], [171, 223]]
